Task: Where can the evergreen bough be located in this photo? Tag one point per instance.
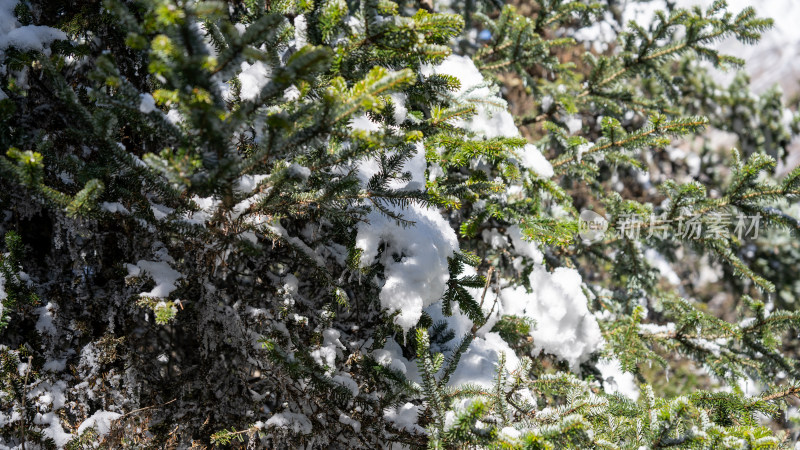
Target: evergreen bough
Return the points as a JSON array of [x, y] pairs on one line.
[[187, 186]]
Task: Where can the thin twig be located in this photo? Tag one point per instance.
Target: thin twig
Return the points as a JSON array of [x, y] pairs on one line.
[[148, 407]]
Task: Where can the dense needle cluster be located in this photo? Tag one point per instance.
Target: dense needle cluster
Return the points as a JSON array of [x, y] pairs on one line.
[[317, 224]]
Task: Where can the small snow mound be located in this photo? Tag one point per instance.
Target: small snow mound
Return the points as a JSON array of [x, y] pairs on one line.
[[487, 122], [479, 364], [564, 326], [100, 421], [297, 423], [27, 37], [404, 417], [617, 381], [147, 103], [533, 159], [163, 275], [414, 259]]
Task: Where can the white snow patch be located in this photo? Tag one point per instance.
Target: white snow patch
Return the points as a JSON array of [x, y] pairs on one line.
[[487, 122], [248, 183], [100, 421], [54, 429], [253, 78], [363, 123], [298, 423], [414, 259], [300, 31], [532, 158], [291, 93], [24, 38], [524, 247], [564, 326], [331, 347], [55, 365], [510, 433], [391, 356], [45, 323], [347, 420], [573, 123], [494, 238], [347, 381], [400, 111], [404, 417], [479, 364], [174, 117], [162, 274], [658, 261], [298, 171], [114, 207], [617, 381], [147, 103]]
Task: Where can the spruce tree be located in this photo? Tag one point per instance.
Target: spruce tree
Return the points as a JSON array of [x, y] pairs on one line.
[[316, 224]]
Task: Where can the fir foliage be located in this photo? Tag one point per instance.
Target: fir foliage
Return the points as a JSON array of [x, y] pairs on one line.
[[207, 210]]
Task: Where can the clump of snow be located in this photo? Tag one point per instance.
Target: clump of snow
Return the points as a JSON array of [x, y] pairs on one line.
[[298, 171], [564, 326], [55, 365], [583, 148], [253, 78], [652, 328], [391, 356], [347, 381], [248, 183], [533, 159], [300, 31], [347, 420], [659, 262], [297, 423], [414, 259], [24, 38], [331, 347], [404, 417], [162, 274], [510, 433], [487, 122], [416, 168], [147, 103], [363, 123], [160, 212], [47, 394], [524, 247], [291, 93], [174, 117], [45, 323], [479, 364], [54, 429], [573, 123], [400, 111], [615, 380], [494, 238], [114, 207], [100, 421], [206, 208]]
